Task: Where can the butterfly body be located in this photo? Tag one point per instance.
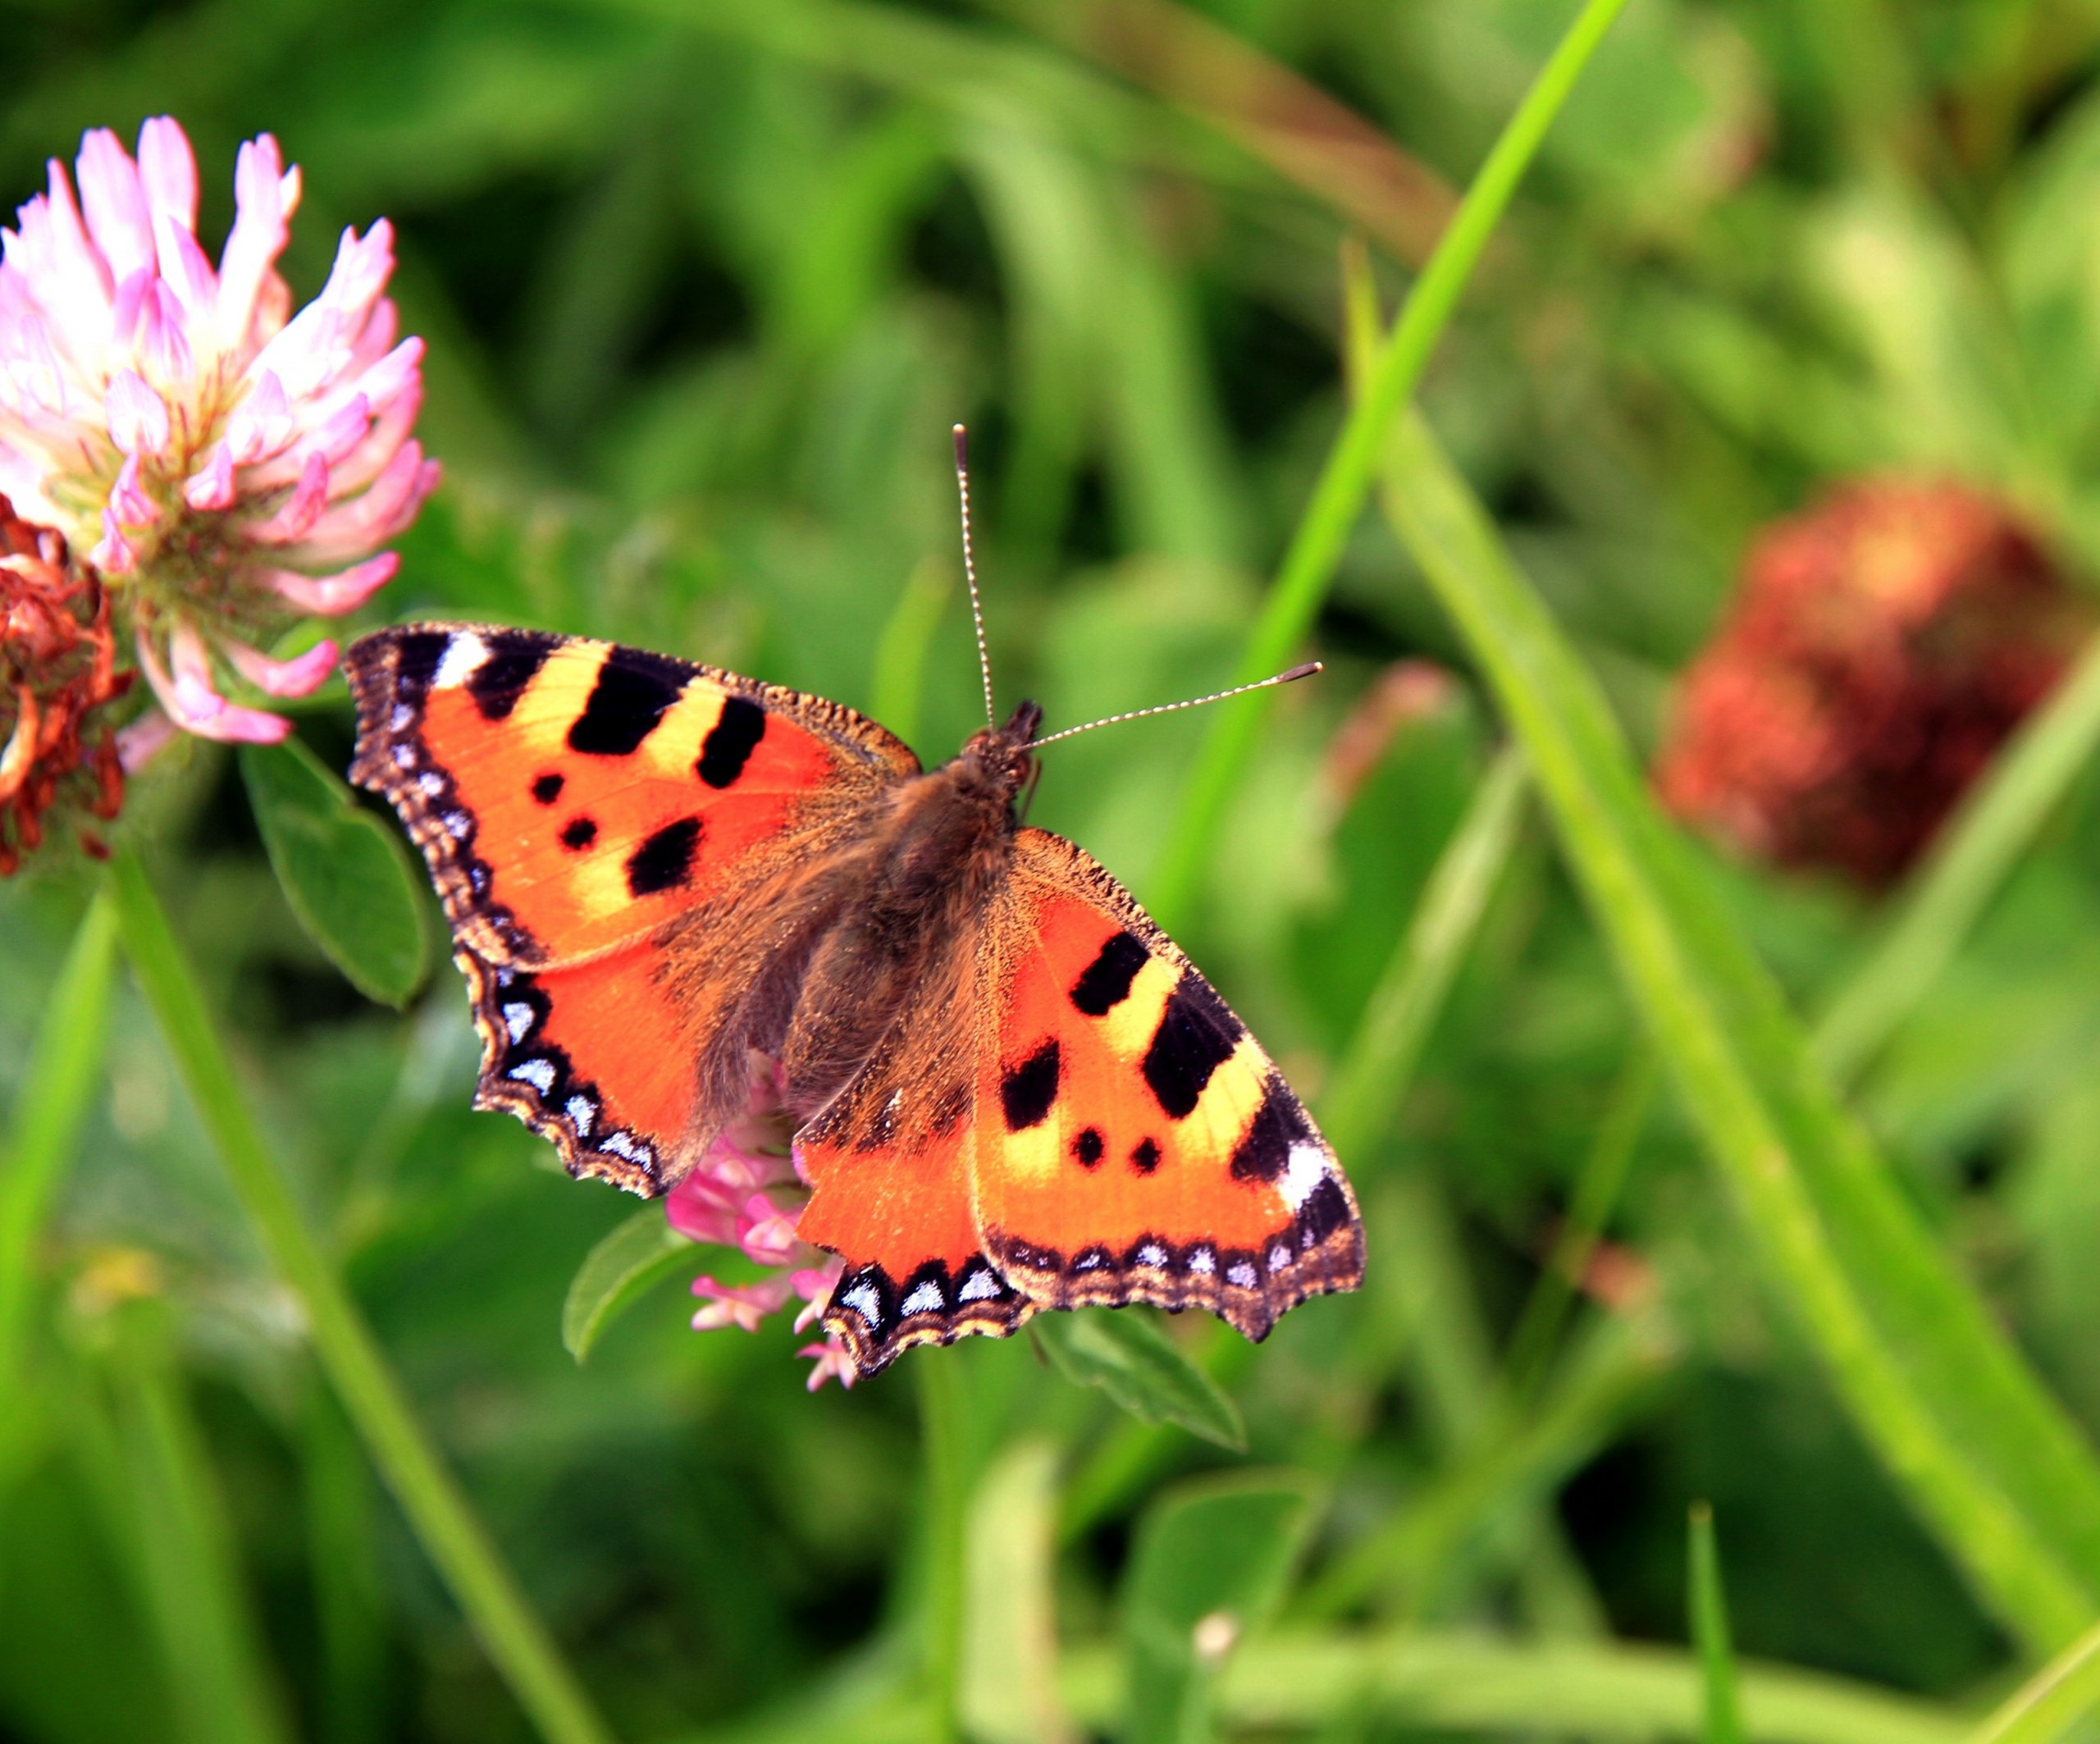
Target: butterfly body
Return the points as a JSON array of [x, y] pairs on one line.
[[1010, 1090]]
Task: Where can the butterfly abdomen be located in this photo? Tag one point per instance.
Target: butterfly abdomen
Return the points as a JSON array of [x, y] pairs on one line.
[[938, 851]]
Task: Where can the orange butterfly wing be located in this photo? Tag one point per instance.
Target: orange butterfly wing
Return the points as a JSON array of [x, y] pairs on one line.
[[901, 1218], [575, 800], [1139, 1146], [1083, 1120]]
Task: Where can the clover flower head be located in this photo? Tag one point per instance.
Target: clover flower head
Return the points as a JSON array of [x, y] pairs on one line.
[[1881, 646], [57, 671], [748, 1193], [229, 466]]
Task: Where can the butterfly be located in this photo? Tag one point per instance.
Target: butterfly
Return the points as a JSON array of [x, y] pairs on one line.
[[1013, 1092]]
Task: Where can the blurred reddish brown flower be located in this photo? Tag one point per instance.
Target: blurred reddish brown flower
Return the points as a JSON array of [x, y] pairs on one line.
[[57, 668], [1881, 647]]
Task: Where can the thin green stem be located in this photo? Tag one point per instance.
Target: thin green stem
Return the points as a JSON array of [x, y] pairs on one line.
[[1596, 1195], [438, 1510], [2051, 1702], [64, 1069], [1382, 1055], [1344, 482], [1288, 1682], [1709, 1631], [193, 1586], [944, 1428]]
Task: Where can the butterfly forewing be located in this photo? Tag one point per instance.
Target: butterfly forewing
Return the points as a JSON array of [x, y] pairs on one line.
[[570, 796], [578, 804]]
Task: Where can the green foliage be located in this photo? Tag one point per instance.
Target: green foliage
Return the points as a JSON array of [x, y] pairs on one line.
[[1683, 1178], [614, 1276], [1209, 1563], [1127, 1355], [345, 874]]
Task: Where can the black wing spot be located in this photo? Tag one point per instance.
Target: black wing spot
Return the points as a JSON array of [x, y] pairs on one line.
[[547, 789], [1325, 1210], [663, 861], [578, 833], [1030, 1088], [730, 741], [1278, 1123], [1088, 1148], [1145, 1158], [511, 663], [417, 655], [1196, 1035], [1106, 982], [632, 691]]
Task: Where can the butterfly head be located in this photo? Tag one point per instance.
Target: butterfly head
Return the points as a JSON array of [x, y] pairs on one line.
[[1000, 755]]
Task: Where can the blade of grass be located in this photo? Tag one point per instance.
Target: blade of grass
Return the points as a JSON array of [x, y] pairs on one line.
[[1938, 907], [1604, 1170], [192, 1580], [1447, 1346], [437, 1509], [1380, 1063], [1522, 1462], [1443, 1681], [1270, 109], [1710, 1632], [1984, 1454], [944, 1429], [2051, 1702], [1997, 822], [64, 1069], [1294, 600]]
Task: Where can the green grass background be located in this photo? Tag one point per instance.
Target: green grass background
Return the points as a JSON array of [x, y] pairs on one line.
[[705, 285]]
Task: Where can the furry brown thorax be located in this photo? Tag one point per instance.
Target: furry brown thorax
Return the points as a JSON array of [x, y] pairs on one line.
[[896, 915]]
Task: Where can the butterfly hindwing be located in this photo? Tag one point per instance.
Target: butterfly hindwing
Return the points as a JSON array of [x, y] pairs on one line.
[[593, 1057], [579, 803], [570, 796], [889, 1164], [1137, 1145]]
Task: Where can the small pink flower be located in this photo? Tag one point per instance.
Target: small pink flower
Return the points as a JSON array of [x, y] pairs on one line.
[[748, 1193], [229, 465], [744, 1305]]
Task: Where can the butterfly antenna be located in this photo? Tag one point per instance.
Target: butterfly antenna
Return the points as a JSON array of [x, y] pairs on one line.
[[1292, 677], [969, 569]]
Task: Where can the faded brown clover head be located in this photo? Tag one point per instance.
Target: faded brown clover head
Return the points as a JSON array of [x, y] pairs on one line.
[[1880, 648], [58, 754]]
